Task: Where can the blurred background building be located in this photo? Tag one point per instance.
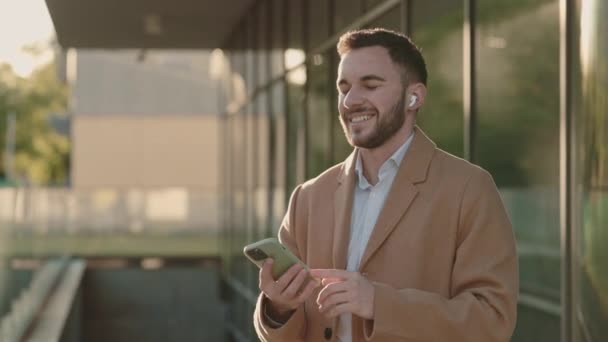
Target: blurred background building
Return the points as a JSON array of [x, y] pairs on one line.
[[191, 122]]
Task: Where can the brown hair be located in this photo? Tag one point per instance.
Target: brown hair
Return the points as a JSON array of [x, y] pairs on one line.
[[400, 47]]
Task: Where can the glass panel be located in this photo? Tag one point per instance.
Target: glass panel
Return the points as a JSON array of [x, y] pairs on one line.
[[251, 159], [437, 30], [319, 116], [262, 42], [242, 227], [295, 38], [225, 150], [241, 182], [346, 11], [250, 71], [239, 268], [390, 20], [250, 166], [590, 196], [232, 228], [370, 4], [278, 33], [295, 128], [237, 86], [318, 22], [261, 192], [280, 137], [518, 141]]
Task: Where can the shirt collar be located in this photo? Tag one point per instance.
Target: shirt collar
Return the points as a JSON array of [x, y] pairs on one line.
[[394, 159]]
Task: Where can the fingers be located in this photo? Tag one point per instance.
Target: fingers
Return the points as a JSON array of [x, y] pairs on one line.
[[295, 284], [329, 273], [268, 284], [340, 309], [333, 300], [339, 294], [266, 273], [331, 289], [287, 277], [288, 291], [308, 290]]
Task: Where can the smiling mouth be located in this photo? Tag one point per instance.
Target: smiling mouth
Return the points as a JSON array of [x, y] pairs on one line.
[[361, 118]]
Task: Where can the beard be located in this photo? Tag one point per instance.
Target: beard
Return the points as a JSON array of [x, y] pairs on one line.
[[387, 125]]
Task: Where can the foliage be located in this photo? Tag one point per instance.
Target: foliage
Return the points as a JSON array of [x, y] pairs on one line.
[[41, 154]]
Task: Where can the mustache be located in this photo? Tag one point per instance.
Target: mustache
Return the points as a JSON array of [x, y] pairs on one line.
[[359, 110]]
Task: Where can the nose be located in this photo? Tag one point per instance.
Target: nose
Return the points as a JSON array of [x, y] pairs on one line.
[[353, 99]]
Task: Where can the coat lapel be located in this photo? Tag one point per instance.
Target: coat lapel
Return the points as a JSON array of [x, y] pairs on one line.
[[343, 204], [413, 170]]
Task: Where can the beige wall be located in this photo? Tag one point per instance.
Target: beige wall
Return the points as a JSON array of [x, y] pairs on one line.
[[145, 151]]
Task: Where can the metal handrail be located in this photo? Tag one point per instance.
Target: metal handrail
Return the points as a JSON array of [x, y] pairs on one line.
[[14, 325]]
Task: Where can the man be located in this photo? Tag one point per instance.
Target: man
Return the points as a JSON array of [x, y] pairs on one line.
[[410, 242]]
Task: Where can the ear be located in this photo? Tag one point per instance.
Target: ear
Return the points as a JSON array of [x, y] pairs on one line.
[[418, 90]]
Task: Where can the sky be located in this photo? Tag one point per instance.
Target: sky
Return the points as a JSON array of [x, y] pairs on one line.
[[24, 22]]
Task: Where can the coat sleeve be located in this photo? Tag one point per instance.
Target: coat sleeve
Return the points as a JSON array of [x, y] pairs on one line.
[[295, 328], [484, 286]]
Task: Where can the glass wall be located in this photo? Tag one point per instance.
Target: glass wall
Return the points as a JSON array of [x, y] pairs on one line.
[[320, 117], [318, 13], [518, 114], [296, 121], [437, 30], [279, 175], [345, 12], [391, 19], [590, 154]]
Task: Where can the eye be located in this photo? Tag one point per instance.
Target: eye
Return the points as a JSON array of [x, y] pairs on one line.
[[371, 86]]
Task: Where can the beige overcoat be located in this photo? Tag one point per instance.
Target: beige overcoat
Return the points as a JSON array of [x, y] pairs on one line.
[[442, 254]]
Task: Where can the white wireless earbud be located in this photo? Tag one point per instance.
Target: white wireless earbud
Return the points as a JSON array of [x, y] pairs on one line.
[[413, 100]]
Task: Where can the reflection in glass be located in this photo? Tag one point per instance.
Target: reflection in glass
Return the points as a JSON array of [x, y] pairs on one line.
[[262, 186], [263, 45], [294, 58], [437, 30], [278, 33], [370, 4], [591, 173], [518, 143], [240, 232], [319, 116], [250, 136], [345, 12], [251, 59], [280, 135], [295, 36], [391, 20], [295, 129], [318, 22]]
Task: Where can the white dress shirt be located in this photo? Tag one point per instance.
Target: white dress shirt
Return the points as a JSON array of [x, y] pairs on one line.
[[367, 203]]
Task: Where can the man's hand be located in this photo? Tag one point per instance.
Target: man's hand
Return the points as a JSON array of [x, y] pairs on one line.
[[345, 292], [287, 292]]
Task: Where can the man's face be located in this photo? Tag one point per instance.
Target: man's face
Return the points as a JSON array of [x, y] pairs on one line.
[[371, 97]]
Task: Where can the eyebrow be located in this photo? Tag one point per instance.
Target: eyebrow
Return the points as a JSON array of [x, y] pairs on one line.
[[364, 79], [372, 78]]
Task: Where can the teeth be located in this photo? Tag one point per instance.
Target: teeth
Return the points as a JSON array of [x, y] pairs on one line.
[[360, 118]]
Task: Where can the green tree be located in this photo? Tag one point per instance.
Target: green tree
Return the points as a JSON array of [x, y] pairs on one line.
[[41, 154]]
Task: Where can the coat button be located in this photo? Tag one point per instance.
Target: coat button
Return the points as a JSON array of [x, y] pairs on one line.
[[328, 333]]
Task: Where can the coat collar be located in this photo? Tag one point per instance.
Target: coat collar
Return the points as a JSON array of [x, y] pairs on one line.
[[413, 170], [418, 158]]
